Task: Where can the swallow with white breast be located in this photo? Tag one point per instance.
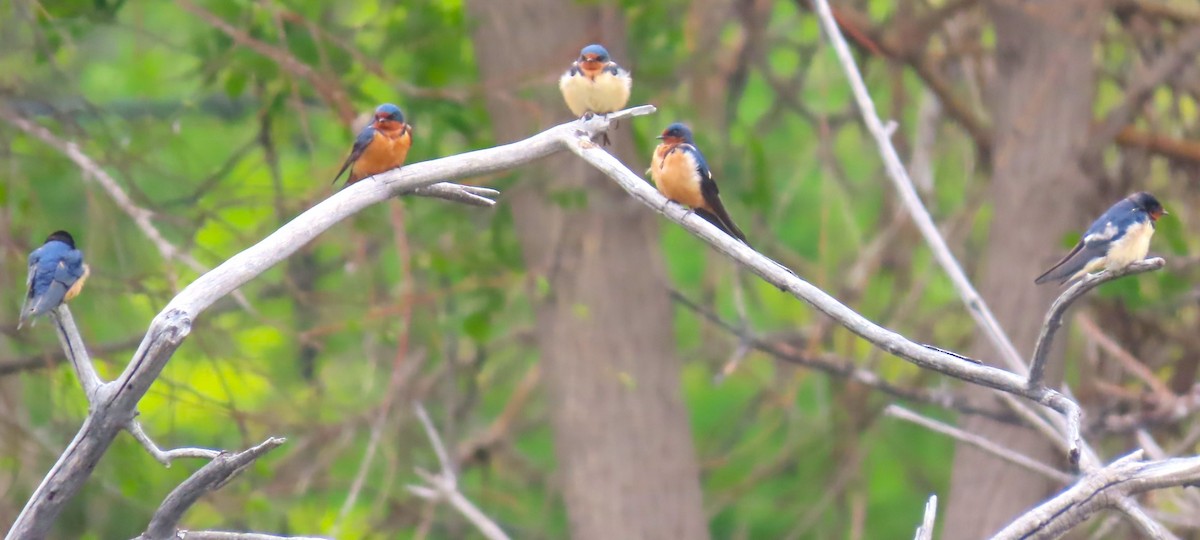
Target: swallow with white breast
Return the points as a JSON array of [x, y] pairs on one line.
[[1119, 238]]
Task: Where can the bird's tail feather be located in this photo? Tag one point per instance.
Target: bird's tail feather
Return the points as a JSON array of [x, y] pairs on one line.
[[1064, 271], [723, 223]]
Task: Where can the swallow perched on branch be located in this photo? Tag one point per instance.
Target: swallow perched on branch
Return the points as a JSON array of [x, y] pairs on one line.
[[56, 275], [681, 174], [595, 84], [1117, 239], [381, 146]]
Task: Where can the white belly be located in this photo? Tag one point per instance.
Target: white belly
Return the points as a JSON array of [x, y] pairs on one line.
[[1130, 248], [604, 94]]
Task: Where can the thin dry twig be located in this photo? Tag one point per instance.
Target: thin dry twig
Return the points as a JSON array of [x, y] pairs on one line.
[[925, 531], [444, 485], [982, 443]]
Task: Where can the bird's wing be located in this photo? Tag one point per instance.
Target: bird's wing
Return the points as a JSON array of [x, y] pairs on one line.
[[617, 70], [712, 196], [26, 305], [360, 145], [1093, 244]]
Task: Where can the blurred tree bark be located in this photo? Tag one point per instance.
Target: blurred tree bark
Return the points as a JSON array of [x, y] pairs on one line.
[[1041, 105], [605, 326]]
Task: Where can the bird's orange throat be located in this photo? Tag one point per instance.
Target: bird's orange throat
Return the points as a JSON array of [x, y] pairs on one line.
[[591, 68], [391, 128]]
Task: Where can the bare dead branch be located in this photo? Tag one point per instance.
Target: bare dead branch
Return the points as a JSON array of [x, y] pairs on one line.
[[227, 535], [1104, 488], [72, 344], [76, 351], [925, 531], [211, 477], [787, 281], [167, 456], [1064, 301], [118, 399], [974, 303], [444, 485], [982, 443]]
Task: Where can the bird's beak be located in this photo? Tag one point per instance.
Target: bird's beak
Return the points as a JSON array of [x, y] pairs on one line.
[[1165, 212], [660, 137]]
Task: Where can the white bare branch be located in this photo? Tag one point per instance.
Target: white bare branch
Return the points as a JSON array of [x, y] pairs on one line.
[[444, 485], [211, 477], [925, 531], [981, 443], [1108, 487], [908, 194], [115, 407]]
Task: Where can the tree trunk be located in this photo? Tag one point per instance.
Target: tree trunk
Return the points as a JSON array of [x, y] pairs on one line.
[[1041, 104], [622, 436]]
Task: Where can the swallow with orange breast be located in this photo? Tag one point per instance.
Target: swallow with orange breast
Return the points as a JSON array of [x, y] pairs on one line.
[[595, 84], [1119, 238], [56, 275], [681, 174], [381, 146]]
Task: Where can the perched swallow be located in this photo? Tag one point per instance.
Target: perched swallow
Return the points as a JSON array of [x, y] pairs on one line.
[[595, 84], [56, 274], [381, 146], [1117, 239], [681, 174]]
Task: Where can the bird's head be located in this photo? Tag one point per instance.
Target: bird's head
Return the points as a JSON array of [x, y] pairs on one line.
[[61, 236], [593, 57], [676, 133], [1145, 201], [388, 113]]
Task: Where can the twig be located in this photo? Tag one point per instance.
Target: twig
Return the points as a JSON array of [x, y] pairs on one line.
[[211, 477], [469, 195], [979, 442], [228, 535], [444, 485], [1105, 488], [1149, 527], [73, 346], [908, 194], [925, 531], [837, 367], [167, 456], [1064, 301]]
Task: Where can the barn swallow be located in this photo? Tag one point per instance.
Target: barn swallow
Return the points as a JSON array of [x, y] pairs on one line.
[[1117, 239], [595, 84], [381, 146], [681, 174], [56, 274]]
